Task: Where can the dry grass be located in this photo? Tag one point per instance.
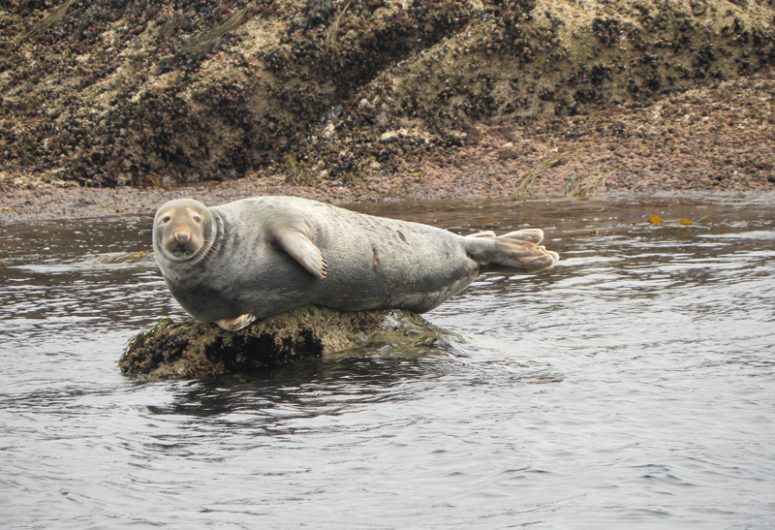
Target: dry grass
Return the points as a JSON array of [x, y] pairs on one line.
[[525, 185], [333, 31], [204, 42], [585, 187], [297, 173], [49, 19]]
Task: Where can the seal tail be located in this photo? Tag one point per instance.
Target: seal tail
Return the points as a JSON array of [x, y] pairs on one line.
[[520, 249]]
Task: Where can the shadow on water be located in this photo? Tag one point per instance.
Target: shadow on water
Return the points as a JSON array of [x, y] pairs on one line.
[[632, 383], [312, 385]]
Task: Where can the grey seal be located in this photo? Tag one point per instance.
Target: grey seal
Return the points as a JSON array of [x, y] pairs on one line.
[[253, 258]]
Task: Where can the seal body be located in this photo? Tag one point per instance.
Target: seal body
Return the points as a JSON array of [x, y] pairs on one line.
[[261, 256]]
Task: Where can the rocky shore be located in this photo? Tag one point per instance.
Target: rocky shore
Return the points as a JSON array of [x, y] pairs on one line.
[[709, 139], [113, 108]]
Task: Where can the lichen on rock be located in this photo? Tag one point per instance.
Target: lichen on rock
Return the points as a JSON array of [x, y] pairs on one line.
[[192, 350]]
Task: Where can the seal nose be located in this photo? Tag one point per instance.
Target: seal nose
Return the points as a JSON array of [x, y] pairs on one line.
[[182, 238]]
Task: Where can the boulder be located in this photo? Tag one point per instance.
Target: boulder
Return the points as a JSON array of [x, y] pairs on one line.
[[192, 350]]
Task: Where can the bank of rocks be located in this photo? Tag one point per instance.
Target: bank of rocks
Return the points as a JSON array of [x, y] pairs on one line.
[[156, 93]]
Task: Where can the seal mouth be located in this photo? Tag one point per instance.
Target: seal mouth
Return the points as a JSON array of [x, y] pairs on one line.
[[180, 250]]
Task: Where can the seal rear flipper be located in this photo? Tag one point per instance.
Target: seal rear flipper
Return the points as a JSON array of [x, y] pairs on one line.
[[486, 233], [516, 250], [305, 252], [534, 235]]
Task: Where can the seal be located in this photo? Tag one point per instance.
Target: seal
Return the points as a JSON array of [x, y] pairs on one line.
[[253, 258]]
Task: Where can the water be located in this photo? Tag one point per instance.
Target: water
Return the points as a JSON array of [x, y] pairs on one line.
[[631, 386]]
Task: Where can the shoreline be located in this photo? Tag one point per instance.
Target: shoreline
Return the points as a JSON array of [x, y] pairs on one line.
[[715, 139], [50, 203]]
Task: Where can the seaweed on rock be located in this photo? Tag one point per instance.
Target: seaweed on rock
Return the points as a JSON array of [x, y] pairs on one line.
[[191, 350]]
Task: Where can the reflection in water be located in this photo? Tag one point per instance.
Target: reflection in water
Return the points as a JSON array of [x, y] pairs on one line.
[[632, 384]]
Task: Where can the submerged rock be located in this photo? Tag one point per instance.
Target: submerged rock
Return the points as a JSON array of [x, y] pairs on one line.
[[190, 350], [116, 258]]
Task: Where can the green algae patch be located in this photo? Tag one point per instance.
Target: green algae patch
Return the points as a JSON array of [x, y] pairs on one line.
[[193, 350]]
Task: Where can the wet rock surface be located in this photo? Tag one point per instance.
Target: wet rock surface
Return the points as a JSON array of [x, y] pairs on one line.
[[160, 93], [191, 350]]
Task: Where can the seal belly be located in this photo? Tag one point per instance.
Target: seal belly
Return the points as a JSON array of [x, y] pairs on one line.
[[205, 301], [270, 284], [394, 264], [372, 262]]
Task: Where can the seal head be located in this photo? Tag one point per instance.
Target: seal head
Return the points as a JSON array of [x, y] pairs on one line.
[[183, 231], [185, 234]]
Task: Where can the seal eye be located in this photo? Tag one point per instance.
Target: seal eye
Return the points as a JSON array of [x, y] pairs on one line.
[[197, 219], [166, 219]]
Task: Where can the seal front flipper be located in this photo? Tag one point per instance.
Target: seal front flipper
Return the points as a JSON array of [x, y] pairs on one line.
[[236, 324], [305, 252]]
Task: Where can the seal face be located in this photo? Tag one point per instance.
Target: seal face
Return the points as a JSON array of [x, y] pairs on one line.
[[183, 230], [253, 258]]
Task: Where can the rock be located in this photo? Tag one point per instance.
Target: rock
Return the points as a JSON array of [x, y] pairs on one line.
[[192, 350], [210, 88], [389, 136], [121, 257]]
